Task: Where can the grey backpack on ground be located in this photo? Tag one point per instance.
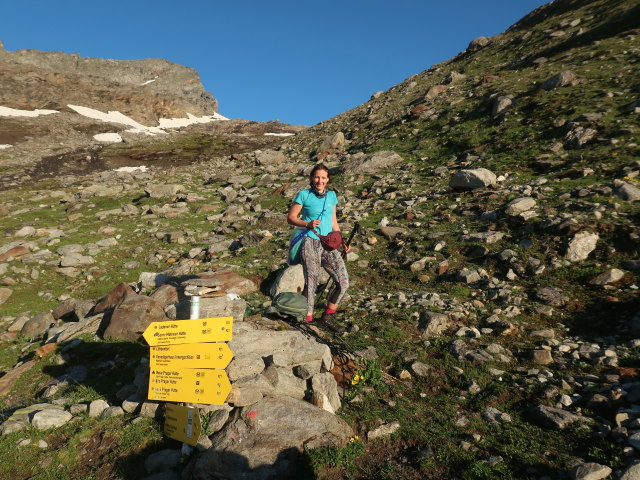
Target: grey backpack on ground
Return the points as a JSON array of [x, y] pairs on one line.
[[289, 304]]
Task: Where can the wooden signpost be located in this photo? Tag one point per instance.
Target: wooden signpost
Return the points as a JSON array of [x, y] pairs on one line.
[[187, 360]]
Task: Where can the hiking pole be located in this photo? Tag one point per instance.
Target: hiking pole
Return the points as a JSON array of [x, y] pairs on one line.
[[356, 229]]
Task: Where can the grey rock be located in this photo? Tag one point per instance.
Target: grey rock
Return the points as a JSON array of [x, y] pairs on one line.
[[582, 244], [88, 325], [37, 326], [5, 293], [285, 382], [555, 418], [245, 365], [217, 421], [478, 43], [289, 279], [307, 370], [271, 157], [270, 437], [96, 407], [75, 259], [519, 205], [421, 369], [501, 103], [612, 275], [433, 324], [589, 471], [626, 191], [468, 276], [163, 460], [282, 348], [384, 430], [132, 316], [334, 142], [325, 383], [494, 416], [552, 296], [542, 357], [372, 163], [483, 237], [631, 473], [112, 412], [562, 79], [160, 191], [149, 409], [250, 390], [578, 136], [473, 179], [50, 417]]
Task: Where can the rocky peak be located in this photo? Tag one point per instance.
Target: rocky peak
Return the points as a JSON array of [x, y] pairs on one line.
[[145, 90]]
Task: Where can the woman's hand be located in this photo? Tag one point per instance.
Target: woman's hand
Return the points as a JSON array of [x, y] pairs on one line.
[[313, 224], [346, 248]]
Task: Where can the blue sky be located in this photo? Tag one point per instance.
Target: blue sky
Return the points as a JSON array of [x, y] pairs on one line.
[[298, 62]]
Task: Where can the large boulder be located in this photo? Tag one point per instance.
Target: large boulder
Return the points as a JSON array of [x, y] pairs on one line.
[[334, 142], [38, 325], [267, 440], [562, 79], [373, 163], [281, 348], [472, 179], [132, 316], [290, 279]]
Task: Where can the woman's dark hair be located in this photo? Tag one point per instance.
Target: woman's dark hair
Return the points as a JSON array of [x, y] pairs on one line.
[[318, 166]]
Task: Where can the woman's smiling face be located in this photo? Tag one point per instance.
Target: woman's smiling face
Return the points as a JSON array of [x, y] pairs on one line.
[[320, 179]]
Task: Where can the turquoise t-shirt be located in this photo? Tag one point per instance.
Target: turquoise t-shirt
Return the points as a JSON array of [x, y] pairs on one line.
[[312, 208]]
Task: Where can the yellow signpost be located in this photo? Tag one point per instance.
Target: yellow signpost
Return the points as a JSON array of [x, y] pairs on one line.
[[177, 332], [194, 355], [194, 385], [182, 423]]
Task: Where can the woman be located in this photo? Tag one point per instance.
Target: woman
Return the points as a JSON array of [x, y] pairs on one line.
[[316, 206]]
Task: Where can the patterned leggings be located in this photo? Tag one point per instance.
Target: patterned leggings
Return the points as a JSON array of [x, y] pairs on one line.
[[314, 257]]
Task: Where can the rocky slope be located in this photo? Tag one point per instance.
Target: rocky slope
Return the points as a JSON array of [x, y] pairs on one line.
[[492, 322]]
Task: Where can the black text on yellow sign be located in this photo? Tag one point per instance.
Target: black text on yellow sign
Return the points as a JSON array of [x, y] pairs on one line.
[[218, 329], [182, 423], [195, 385], [194, 355]]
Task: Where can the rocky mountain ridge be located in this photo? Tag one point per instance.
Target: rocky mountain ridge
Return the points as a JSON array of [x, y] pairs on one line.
[[145, 90]]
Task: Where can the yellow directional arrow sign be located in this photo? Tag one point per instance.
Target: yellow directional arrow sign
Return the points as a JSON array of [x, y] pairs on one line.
[[189, 331], [194, 385], [182, 423], [195, 355]]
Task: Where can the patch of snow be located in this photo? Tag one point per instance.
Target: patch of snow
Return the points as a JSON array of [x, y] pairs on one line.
[[13, 112], [141, 168], [190, 120], [115, 117], [149, 81], [108, 137], [280, 134], [3, 147]]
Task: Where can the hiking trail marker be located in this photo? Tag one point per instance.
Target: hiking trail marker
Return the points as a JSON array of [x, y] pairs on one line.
[[194, 355], [177, 332], [184, 365], [182, 423]]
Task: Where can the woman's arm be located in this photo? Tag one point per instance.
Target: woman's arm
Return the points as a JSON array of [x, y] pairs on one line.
[[293, 218]]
